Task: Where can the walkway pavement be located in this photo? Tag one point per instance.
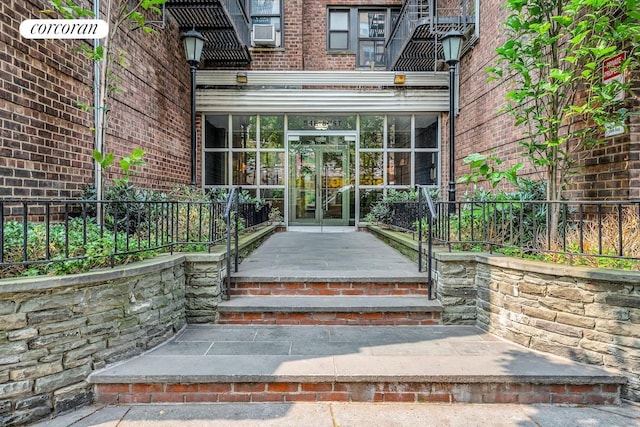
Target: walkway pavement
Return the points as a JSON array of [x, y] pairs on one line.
[[325, 256], [250, 352], [348, 415], [262, 353]]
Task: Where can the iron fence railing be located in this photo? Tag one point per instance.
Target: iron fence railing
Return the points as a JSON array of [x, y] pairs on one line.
[[404, 215], [426, 211], [603, 233], [43, 235], [231, 224]]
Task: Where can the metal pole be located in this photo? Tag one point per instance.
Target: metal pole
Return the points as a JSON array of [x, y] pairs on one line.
[[237, 209], [227, 295], [193, 123], [430, 257], [324, 206], [452, 144], [419, 189], [98, 143]]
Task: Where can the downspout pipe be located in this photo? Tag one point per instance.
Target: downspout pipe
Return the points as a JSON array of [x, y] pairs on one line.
[[96, 112]]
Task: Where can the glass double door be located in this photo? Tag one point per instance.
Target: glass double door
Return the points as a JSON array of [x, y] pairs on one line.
[[319, 183]]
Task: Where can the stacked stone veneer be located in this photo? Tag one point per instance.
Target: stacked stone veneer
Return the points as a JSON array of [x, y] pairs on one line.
[[454, 277], [55, 331], [588, 315], [205, 275]]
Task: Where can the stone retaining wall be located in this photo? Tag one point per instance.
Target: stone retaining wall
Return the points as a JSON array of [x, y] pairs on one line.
[[454, 278], [205, 274], [587, 315], [55, 331]]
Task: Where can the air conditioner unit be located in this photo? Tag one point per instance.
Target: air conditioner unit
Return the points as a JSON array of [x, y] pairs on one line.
[[263, 35]]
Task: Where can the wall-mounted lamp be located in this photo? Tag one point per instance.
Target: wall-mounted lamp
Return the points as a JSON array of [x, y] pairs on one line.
[[241, 78], [398, 79]]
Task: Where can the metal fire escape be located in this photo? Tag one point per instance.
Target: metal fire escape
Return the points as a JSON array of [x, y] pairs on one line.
[[415, 45], [224, 25]]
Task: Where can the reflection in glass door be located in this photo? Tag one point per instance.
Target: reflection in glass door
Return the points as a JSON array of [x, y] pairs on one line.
[[319, 181]]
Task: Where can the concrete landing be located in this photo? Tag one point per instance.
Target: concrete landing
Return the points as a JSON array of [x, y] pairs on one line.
[[299, 256], [326, 414], [297, 357]]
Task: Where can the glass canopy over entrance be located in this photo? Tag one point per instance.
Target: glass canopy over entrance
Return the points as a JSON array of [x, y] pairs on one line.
[[321, 169]]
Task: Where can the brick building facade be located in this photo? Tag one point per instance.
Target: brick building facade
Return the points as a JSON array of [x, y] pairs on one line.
[[47, 140], [609, 171]]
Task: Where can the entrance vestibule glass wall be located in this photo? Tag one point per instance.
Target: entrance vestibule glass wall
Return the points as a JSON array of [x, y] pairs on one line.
[[321, 169]]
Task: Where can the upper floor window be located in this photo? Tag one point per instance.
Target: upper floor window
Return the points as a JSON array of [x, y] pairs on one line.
[[372, 33], [266, 23], [363, 31], [338, 29]]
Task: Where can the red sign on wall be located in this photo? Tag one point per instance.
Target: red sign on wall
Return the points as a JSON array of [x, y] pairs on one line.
[[611, 67], [611, 72]]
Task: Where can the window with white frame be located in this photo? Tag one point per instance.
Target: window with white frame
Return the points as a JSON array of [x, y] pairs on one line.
[[246, 150]]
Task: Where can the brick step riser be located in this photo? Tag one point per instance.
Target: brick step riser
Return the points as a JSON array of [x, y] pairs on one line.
[[518, 393], [327, 289], [332, 318]]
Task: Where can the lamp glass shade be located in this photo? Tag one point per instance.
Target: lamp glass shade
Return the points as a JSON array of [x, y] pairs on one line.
[[193, 43], [451, 43]]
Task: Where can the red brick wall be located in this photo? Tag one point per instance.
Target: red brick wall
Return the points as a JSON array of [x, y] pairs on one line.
[[46, 141], [479, 126], [634, 144], [305, 38], [154, 112], [611, 170]]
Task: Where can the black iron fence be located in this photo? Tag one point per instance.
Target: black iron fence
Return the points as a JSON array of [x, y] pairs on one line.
[[602, 234], [58, 236]]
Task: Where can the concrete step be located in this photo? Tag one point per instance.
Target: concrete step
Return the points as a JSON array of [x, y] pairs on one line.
[[333, 310], [378, 287], [258, 363]]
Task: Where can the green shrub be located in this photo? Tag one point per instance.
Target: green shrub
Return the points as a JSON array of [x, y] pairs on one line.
[[91, 252], [196, 223]]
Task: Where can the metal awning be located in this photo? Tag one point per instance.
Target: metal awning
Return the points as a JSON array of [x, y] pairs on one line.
[[320, 101], [224, 25]]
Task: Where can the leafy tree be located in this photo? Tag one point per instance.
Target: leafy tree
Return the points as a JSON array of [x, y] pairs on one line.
[[483, 167], [552, 65], [126, 163], [121, 15]]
